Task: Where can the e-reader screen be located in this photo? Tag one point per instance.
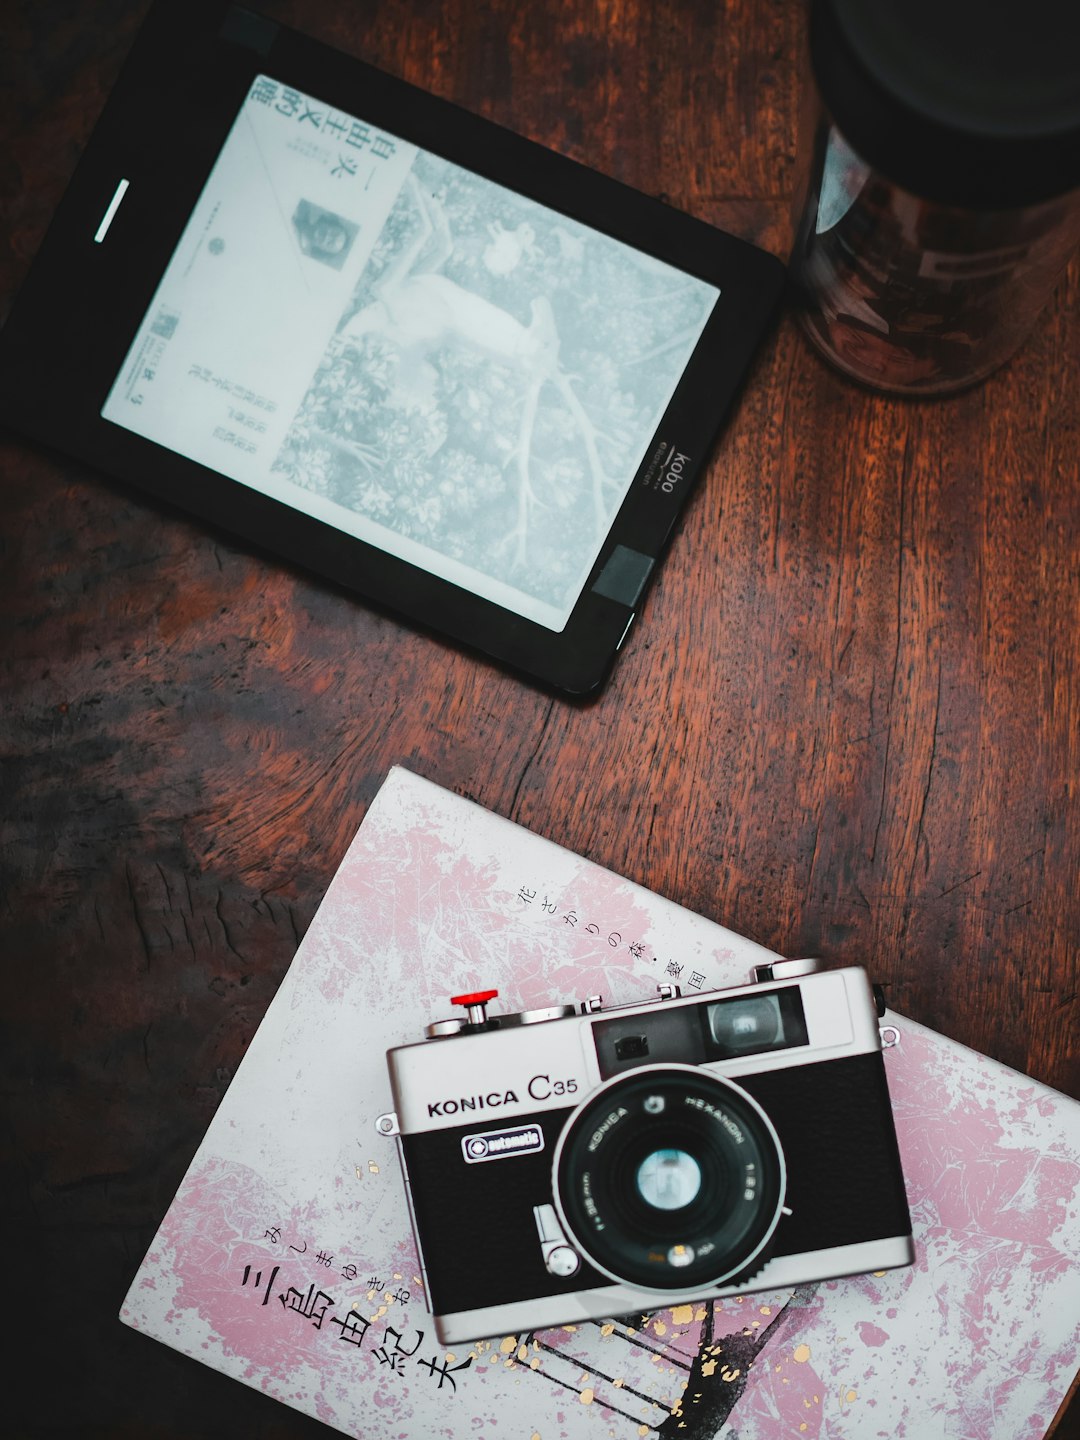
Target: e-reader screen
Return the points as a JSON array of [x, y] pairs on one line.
[[409, 352]]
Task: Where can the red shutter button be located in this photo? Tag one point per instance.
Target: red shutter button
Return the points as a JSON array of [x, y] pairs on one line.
[[476, 1004]]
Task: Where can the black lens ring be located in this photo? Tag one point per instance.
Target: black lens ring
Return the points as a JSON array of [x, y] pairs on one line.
[[726, 1224]]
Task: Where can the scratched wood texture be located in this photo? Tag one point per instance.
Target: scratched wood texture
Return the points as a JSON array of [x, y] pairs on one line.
[[848, 722]]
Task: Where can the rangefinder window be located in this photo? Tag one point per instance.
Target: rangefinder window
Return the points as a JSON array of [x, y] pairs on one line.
[[752, 1024], [627, 1042]]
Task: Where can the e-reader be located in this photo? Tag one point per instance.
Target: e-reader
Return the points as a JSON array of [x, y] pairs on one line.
[[453, 371]]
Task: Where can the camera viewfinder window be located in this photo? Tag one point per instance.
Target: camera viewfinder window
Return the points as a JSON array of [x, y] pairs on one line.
[[750, 1024], [410, 353]]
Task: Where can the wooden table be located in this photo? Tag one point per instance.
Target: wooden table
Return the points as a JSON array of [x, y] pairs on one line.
[[848, 722]]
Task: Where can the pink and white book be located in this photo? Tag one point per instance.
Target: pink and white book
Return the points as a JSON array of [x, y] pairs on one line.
[[286, 1259]]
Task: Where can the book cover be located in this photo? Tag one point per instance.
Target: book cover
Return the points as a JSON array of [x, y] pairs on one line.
[[286, 1259]]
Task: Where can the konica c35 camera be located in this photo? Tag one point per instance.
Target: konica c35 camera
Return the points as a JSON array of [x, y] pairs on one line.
[[581, 1161]]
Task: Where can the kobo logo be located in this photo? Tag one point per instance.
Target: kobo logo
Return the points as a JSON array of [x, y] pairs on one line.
[[673, 471]]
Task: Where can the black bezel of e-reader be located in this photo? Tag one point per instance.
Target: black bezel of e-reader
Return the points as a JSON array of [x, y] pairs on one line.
[[189, 72]]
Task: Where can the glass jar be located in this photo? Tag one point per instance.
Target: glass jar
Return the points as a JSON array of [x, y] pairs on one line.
[[942, 197]]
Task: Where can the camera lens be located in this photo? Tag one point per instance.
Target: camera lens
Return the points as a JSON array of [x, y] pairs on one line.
[[669, 1178]]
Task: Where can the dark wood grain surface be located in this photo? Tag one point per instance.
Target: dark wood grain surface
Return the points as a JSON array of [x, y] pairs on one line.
[[848, 722]]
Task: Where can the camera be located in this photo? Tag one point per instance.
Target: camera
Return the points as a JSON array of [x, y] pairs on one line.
[[581, 1161]]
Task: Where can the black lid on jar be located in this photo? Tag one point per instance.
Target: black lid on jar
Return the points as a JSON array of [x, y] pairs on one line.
[[973, 103]]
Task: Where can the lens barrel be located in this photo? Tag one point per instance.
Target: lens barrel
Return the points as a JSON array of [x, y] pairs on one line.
[[669, 1178]]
